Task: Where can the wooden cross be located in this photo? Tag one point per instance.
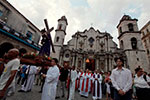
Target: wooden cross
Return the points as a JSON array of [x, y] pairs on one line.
[[48, 32]]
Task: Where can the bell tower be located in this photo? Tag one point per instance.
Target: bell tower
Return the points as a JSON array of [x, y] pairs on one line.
[[59, 36], [130, 42]]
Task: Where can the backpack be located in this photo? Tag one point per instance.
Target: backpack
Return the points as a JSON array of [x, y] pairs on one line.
[[144, 76]]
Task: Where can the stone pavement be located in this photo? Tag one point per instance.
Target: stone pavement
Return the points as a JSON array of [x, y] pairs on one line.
[[35, 95]]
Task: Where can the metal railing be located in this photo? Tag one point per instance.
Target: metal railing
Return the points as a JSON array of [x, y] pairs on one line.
[[13, 32]]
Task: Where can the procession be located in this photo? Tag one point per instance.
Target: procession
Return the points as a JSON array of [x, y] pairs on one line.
[[62, 82], [35, 64]]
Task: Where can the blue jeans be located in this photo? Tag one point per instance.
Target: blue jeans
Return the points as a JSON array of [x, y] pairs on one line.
[[127, 96]]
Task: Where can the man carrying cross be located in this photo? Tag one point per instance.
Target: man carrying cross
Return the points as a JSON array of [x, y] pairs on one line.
[[46, 41]]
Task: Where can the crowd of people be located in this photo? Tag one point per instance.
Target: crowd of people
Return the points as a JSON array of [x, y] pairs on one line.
[[64, 81]]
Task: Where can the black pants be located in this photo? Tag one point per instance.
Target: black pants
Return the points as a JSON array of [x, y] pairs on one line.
[[42, 85], [21, 79], [111, 91], [143, 93]]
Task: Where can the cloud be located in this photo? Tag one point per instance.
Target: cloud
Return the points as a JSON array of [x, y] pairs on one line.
[[104, 15]]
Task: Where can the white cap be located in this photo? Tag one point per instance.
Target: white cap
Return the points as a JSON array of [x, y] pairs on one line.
[[14, 49]]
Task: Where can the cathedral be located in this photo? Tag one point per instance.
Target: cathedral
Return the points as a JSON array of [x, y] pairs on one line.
[[93, 49]]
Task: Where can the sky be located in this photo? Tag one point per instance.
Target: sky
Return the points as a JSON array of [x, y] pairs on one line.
[[103, 15]]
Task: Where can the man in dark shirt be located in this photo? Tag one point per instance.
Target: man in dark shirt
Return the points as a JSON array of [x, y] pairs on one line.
[[62, 80], [63, 74]]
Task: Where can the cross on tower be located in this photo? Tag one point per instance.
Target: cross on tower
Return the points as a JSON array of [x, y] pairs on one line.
[[91, 24]]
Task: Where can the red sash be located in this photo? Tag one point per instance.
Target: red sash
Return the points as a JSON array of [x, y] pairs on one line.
[[87, 84], [83, 82], [79, 80]]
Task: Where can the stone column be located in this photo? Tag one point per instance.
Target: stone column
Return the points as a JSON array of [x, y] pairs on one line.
[[103, 66], [105, 69], [61, 60], [97, 64], [84, 61], [76, 63], [73, 59], [110, 65]]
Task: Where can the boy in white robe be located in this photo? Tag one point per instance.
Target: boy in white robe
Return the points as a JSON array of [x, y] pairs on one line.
[[97, 89], [27, 86], [85, 84], [80, 80], [49, 88], [72, 83]]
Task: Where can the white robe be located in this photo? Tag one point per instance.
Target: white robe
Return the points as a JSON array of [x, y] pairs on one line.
[[90, 82], [79, 81], [49, 88], [97, 89], [85, 84], [30, 79], [72, 84], [107, 88]]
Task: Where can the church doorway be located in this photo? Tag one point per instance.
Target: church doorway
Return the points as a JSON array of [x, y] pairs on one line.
[[90, 64], [4, 48]]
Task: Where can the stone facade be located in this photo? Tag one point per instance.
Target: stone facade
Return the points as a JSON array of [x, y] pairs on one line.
[[14, 19], [94, 49], [16, 44], [16, 30], [145, 35], [90, 49], [131, 43]]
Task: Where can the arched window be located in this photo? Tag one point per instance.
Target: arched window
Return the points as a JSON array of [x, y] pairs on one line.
[[147, 51], [91, 41], [67, 55], [121, 44], [60, 26], [134, 43], [120, 29], [57, 39], [130, 26], [147, 30]]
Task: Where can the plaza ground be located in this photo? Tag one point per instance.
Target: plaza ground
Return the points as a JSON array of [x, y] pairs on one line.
[[35, 95]]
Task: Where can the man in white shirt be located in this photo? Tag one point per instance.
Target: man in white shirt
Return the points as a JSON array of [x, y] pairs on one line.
[[9, 73], [122, 81]]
